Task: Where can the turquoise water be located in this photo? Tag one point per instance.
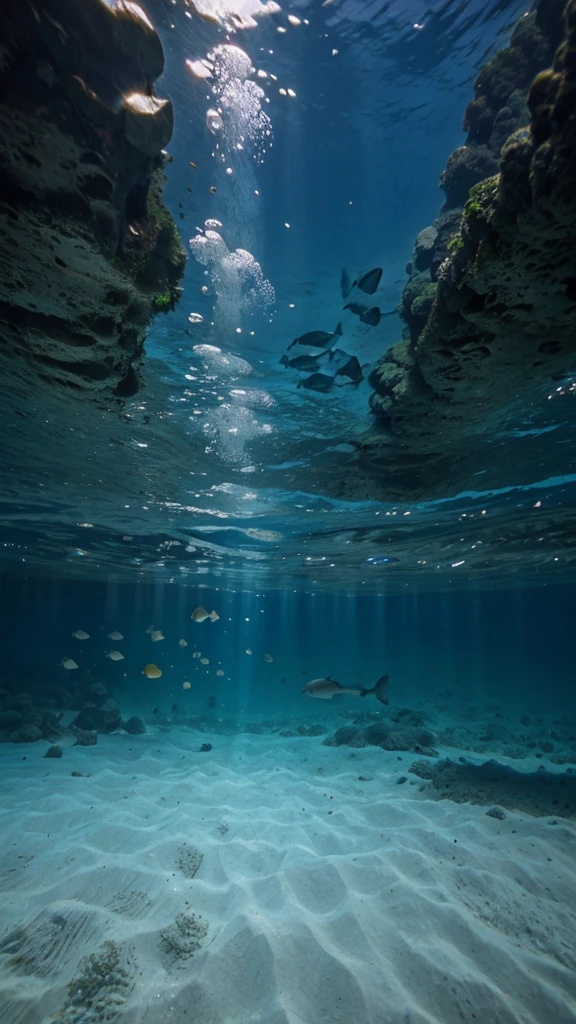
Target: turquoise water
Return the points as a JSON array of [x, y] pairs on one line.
[[309, 138]]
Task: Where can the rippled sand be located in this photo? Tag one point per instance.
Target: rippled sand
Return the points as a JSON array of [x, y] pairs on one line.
[[327, 900]]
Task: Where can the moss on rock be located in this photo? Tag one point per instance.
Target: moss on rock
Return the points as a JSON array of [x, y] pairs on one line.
[[503, 323]]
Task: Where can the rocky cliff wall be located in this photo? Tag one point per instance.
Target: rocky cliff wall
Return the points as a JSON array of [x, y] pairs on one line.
[[490, 307], [88, 252]]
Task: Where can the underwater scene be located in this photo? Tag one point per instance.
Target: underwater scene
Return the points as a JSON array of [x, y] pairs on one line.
[[288, 512]]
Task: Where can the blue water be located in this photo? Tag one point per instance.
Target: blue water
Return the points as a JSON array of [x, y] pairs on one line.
[[223, 485]]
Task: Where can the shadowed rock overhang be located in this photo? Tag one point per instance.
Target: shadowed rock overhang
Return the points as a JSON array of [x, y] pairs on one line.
[[88, 252]]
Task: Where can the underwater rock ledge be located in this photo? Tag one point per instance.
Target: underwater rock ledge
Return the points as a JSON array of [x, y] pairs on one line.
[[490, 306], [88, 253]]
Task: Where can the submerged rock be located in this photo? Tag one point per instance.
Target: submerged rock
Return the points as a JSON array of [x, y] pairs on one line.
[[135, 726], [54, 751], [502, 324], [85, 737], [26, 734], [538, 793], [386, 735], [105, 719], [10, 719], [88, 253]]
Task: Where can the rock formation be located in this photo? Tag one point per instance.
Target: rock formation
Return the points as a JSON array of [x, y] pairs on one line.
[[490, 306], [88, 252]]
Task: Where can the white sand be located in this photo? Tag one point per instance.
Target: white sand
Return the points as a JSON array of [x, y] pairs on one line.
[[328, 900]]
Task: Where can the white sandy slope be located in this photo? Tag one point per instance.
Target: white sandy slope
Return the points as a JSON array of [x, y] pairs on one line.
[[329, 900]]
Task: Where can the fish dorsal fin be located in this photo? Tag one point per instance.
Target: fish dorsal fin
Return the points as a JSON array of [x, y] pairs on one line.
[[330, 678]]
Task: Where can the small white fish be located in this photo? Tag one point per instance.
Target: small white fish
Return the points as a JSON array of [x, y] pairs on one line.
[[268, 658], [197, 654], [186, 685], [68, 663], [220, 672], [81, 634], [200, 615], [150, 630], [182, 643], [157, 635], [214, 616], [115, 635], [204, 661], [248, 651], [115, 656], [152, 671]]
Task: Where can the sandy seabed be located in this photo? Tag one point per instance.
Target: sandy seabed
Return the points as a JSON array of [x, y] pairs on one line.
[[276, 881]]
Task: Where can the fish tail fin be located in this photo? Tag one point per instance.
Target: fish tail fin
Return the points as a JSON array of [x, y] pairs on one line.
[[292, 343], [338, 329], [284, 361], [380, 690], [330, 677], [326, 352]]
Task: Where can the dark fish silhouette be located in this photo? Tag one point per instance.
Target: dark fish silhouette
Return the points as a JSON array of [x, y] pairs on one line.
[[351, 369], [346, 284], [304, 363], [317, 382], [357, 308], [369, 282], [371, 317], [317, 339]]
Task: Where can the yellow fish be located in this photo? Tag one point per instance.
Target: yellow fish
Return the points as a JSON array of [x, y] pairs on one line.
[[115, 635], [115, 656], [68, 663], [186, 685], [204, 661], [81, 634], [200, 615], [182, 643], [152, 672]]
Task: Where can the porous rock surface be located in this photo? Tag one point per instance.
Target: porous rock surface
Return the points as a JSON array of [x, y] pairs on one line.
[[539, 793], [491, 303], [88, 253]]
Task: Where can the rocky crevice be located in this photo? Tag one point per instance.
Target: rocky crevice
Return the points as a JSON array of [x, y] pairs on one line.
[[490, 307], [88, 252]]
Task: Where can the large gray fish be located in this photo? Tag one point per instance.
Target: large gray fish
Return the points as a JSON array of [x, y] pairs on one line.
[[317, 339], [317, 382], [304, 363], [328, 687], [369, 282]]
